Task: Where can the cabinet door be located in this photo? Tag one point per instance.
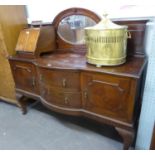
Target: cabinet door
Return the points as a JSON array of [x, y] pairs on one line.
[[107, 95], [24, 76]]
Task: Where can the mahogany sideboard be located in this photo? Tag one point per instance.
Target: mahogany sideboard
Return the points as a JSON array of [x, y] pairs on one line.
[[64, 82]]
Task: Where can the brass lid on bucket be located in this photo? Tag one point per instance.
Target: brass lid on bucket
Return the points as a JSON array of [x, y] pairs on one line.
[[105, 24], [106, 43]]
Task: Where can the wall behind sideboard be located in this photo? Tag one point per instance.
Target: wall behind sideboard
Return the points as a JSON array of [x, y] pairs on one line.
[[116, 9]]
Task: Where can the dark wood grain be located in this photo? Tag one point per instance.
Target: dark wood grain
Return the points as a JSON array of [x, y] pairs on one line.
[[68, 60], [127, 137], [135, 45], [64, 82], [36, 40], [60, 79], [25, 76], [107, 95]]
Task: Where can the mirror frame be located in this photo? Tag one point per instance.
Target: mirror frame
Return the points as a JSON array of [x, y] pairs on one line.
[[61, 44]]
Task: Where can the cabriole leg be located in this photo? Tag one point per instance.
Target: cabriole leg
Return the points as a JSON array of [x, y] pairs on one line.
[[127, 137], [22, 104]]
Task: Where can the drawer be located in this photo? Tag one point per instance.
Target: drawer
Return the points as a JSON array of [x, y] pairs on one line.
[[61, 98], [68, 80], [24, 76]]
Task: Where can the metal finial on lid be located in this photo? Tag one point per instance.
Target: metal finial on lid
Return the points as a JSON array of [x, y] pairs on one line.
[[105, 14]]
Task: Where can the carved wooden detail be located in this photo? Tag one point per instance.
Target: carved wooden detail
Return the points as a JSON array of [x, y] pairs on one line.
[[111, 96], [25, 76]]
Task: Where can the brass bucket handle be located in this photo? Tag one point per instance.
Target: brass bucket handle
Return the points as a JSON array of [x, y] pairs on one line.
[[128, 35]]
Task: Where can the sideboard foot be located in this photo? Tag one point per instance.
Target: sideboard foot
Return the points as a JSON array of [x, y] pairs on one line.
[[127, 137], [22, 104]]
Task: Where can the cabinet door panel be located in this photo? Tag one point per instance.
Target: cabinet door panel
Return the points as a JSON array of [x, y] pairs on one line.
[[25, 76], [106, 95]]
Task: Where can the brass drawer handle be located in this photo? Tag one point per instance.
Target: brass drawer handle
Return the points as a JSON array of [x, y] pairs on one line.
[[64, 83], [85, 94], [33, 81], [128, 35], [44, 92], [66, 100], [41, 77]]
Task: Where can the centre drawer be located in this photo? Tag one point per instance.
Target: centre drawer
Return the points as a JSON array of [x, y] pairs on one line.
[[60, 98], [68, 80]]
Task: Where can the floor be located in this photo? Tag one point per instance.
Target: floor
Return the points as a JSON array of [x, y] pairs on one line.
[[42, 129]]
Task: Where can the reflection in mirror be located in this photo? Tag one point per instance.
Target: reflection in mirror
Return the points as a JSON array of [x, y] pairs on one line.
[[71, 28]]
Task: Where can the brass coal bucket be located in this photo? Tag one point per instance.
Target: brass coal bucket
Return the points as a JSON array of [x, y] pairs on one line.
[[106, 43]]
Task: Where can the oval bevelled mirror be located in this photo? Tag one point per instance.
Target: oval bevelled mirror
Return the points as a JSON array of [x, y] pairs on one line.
[[71, 28]]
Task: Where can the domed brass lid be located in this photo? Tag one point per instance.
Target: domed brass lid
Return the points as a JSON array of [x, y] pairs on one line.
[[105, 24]]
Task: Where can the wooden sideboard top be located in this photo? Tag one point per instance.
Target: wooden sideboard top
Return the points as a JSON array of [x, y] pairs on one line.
[[72, 61]]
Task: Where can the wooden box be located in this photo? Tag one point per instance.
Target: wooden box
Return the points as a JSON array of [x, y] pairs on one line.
[[35, 40]]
